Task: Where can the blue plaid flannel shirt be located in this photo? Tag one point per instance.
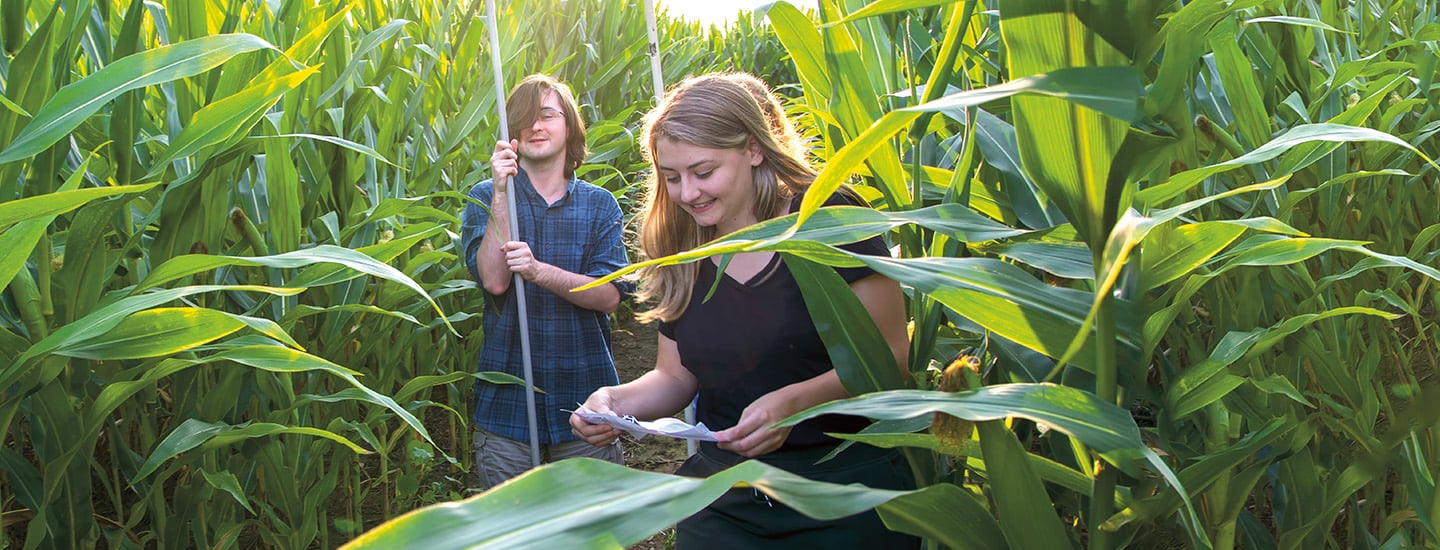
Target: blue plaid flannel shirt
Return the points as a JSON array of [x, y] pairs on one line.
[[569, 345]]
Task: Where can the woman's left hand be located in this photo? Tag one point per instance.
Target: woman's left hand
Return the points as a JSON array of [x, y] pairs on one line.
[[753, 436]]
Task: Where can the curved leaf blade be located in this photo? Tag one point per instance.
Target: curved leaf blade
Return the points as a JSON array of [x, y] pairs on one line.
[[588, 503], [1108, 429], [1296, 136], [155, 333], [60, 202], [222, 120], [74, 103], [104, 319]]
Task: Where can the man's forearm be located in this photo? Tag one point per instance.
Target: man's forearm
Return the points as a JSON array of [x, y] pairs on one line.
[[495, 275], [604, 298]]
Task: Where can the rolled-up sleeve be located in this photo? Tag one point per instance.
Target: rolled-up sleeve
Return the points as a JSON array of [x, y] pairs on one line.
[[472, 225], [609, 254]]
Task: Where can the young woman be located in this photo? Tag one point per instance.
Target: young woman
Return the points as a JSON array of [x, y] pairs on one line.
[[751, 351]]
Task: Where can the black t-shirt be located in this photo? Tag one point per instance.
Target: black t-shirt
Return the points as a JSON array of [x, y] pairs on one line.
[[752, 338]]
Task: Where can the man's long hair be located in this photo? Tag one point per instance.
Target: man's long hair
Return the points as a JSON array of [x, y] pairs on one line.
[[523, 106]]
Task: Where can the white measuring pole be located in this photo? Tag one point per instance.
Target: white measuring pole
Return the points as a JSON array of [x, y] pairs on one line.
[[658, 79], [519, 282]]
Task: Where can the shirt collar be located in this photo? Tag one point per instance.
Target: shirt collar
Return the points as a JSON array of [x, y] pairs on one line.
[[529, 188]]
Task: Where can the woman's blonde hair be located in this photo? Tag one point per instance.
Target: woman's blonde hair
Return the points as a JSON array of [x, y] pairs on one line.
[[716, 111], [780, 126]]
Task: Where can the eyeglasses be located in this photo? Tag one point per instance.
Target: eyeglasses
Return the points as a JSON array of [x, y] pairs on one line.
[[550, 115]]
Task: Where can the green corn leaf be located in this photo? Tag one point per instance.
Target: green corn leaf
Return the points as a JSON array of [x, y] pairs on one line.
[[12, 107], [1048, 470], [368, 44], [1305, 133], [999, 296], [188, 435], [1113, 91], [893, 440], [838, 225], [1298, 21], [30, 219], [342, 142], [894, 433], [223, 120], [1287, 251], [1066, 150], [1128, 232], [1377, 176], [419, 383], [1027, 517], [322, 274], [387, 208], [588, 503], [948, 514], [104, 319], [304, 48], [226, 481], [1200, 475], [190, 264], [155, 333], [1206, 382], [859, 352], [854, 52], [1183, 39], [1070, 260], [800, 37], [11, 345], [25, 480], [17, 245], [1176, 252], [302, 311], [280, 359], [1005, 300], [267, 429], [126, 113], [283, 198], [1108, 429], [116, 393], [74, 103], [90, 260], [1101, 89], [995, 140], [883, 7], [1241, 84]]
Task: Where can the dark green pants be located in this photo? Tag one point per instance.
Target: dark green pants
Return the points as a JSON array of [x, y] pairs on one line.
[[747, 518]]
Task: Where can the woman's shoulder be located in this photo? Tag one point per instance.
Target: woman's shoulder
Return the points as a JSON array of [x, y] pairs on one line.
[[842, 196]]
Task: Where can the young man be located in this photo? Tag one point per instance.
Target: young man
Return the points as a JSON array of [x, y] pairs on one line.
[[570, 234]]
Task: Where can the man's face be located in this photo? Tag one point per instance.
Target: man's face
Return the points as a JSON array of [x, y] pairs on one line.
[[544, 139]]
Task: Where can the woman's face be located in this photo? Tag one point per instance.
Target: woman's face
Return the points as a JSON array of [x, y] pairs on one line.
[[714, 186]]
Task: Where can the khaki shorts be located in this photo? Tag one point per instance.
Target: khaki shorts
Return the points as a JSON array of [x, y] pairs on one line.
[[497, 459]]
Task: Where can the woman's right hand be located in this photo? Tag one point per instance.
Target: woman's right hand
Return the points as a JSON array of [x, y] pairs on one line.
[[598, 435], [504, 164]]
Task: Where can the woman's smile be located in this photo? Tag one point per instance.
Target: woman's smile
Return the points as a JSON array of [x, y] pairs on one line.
[[714, 186]]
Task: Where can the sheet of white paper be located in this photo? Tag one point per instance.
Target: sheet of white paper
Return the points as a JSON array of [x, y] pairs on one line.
[[669, 427]]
